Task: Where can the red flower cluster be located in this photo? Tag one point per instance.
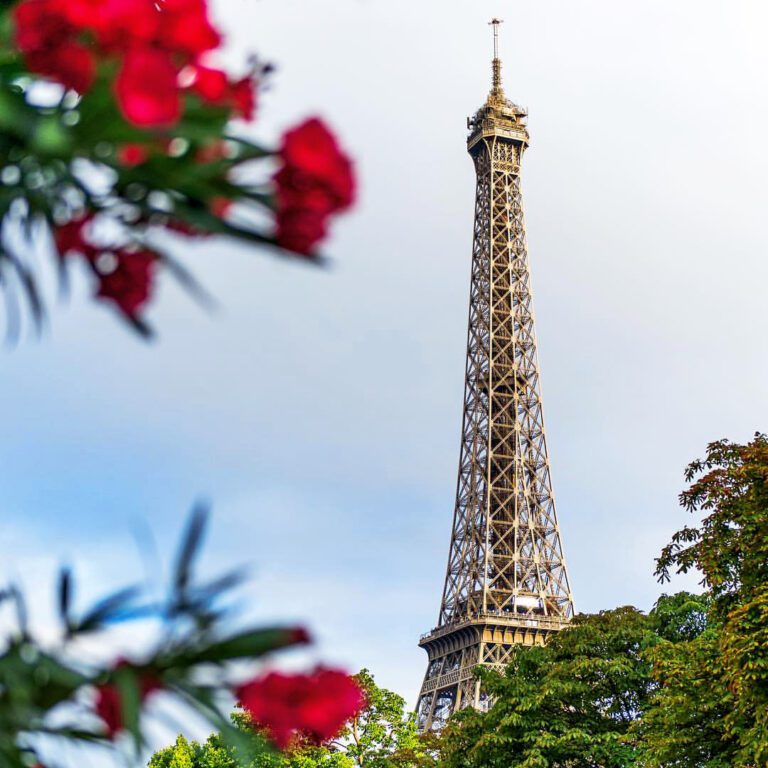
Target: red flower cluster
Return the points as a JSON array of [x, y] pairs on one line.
[[314, 182], [125, 277], [109, 706], [214, 87], [152, 40], [313, 707]]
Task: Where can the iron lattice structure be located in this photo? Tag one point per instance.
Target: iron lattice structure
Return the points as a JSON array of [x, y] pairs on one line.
[[506, 582]]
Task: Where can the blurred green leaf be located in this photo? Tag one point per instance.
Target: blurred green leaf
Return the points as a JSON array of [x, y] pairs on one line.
[[128, 686], [65, 596], [190, 546], [250, 644], [118, 606]]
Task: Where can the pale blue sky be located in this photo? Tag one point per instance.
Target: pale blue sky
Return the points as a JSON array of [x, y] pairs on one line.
[[320, 410]]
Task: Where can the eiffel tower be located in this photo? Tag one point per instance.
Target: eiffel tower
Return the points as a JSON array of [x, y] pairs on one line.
[[506, 583]]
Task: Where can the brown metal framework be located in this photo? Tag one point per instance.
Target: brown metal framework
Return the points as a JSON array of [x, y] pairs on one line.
[[506, 582]]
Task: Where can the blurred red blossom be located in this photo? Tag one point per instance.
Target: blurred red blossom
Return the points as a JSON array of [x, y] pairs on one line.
[[70, 238], [132, 154], [126, 278], [221, 206], [152, 42], [214, 87], [299, 636], [70, 63], [244, 97], [187, 28], [146, 88], [109, 705], [313, 707], [144, 140], [314, 181], [211, 84], [41, 25]]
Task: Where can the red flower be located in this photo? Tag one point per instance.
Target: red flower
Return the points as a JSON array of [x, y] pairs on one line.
[[71, 238], [47, 40], [147, 90], [212, 85], [185, 27], [117, 24], [39, 24], [211, 152], [110, 709], [151, 41], [109, 706], [300, 229], [244, 98], [314, 182], [70, 64], [129, 281], [312, 158], [131, 155], [314, 707], [220, 206], [299, 636]]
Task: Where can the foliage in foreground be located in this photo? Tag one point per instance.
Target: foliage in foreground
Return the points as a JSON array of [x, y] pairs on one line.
[[381, 735], [119, 132], [53, 697]]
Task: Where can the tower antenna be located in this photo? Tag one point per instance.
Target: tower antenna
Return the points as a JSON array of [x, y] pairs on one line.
[[496, 89], [495, 23]]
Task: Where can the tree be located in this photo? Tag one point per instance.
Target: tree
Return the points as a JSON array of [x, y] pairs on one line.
[[216, 753], [183, 754], [579, 701], [684, 723], [727, 670], [569, 703], [383, 734]]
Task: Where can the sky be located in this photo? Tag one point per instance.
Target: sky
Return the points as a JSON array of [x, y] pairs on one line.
[[319, 409]]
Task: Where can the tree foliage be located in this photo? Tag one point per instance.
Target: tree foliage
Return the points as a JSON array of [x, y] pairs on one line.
[[383, 734], [684, 722], [566, 704], [725, 673]]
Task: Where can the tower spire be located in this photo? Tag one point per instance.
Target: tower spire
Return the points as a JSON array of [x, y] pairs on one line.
[[496, 88]]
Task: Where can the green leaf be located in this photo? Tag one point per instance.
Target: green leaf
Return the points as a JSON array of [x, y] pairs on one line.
[[118, 606], [65, 596], [128, 686], [190, 547], [246, 645]]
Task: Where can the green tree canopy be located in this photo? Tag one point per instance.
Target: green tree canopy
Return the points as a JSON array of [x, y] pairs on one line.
[[724, 673], [383, 734], [569, 703], [576, 702]]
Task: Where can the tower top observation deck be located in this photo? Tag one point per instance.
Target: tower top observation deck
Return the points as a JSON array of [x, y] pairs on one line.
[[498, 116]]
